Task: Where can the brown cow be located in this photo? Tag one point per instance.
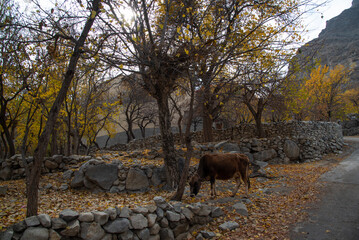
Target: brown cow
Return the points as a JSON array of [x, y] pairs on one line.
[[221, 166]]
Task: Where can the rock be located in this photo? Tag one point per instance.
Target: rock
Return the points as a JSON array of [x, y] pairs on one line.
[[3, 190], [143, 234], [138, 221], [117, 226], [205, 210], [68, 215], [166, 233], [181, 228], [136, 180], [67, 175], [151, 218], [101, 217], [86, 217], [172, 216], [229, 147], [78, 180], [72, 229], [158, 176], [160, 202], [92, 231], [35, 233], [217, 212], [7, 235], [155, 229], [58, 223], [53, 235], [51, 165], [141, 210], [112, 212], [265, 155], [32, 221], [45, 220], [208, 235], [5, 173], [102, 174], [63, 187], [125, 212], [57, 158], [291, 150], [241, 209], [20, 226], [229, 226], [126, 236]]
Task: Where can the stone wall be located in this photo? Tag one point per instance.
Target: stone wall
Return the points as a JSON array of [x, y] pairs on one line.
[[310, 139], [160, 221], [284, 142], [14, 167], [99, 176]]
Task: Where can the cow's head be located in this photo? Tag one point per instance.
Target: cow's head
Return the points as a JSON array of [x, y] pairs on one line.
[[195, 184]]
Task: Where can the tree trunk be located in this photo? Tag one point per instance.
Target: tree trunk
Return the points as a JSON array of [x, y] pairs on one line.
[[34, 178], [188, 140], [259, 125], [8, 138], [5, 146], [172, 173], [54, 146], [207, 127], [207, 117]]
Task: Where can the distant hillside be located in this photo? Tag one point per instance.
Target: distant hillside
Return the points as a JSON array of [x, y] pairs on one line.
[[338, 43]]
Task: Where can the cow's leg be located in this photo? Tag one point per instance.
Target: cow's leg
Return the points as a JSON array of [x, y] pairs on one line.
[[245, 178], [238, 184], [213, 187]]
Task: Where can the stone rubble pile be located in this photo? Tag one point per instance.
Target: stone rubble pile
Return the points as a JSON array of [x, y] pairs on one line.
[[160, 221]]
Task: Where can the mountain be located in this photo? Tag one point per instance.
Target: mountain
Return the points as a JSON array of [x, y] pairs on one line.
[[338, 43]]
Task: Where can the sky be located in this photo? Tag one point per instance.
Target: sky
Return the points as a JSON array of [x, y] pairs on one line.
[[315, 23]]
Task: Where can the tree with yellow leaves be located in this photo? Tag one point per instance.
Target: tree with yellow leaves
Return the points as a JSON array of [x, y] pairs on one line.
[[321, 96], [325, 89]]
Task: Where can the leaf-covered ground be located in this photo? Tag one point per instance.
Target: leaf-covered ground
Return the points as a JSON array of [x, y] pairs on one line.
[[276, 203]]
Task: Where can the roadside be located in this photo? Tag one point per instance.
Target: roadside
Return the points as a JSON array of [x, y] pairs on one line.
[[336, 215]]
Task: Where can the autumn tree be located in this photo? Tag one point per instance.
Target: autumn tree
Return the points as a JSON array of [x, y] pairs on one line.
[[135, 104], [351, 98], [15, 69], [148, 47], [320, 97], [227, 33], [75, 41]]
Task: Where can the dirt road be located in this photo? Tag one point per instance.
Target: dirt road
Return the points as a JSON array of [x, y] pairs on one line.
[[336, 215]]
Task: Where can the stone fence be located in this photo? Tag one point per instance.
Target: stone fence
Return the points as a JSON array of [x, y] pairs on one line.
[[98, 176], [160, 221], [293, 140], [284, 142], [14, 167]]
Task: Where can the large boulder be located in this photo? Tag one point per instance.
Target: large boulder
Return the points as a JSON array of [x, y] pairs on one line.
[[36, 233], [265, 155], [291, 150], [5, 173], [102, 175], [136, 180], [78, 179]]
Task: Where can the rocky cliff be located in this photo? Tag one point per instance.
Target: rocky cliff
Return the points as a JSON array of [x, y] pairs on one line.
[[338, 43]]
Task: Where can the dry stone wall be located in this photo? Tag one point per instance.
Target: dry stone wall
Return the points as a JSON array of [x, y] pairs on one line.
[[160, 221], [14, 167], [284, 141]]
